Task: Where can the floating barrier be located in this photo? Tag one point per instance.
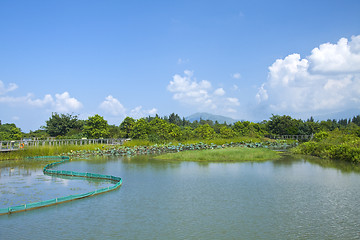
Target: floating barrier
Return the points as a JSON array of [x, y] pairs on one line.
[[48, 171]]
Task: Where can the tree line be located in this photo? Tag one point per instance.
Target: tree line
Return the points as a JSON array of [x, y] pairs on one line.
[[173, 127]]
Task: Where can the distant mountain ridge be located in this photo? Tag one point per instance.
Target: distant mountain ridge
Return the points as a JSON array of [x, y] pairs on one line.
[[350, 113], [212, 117]]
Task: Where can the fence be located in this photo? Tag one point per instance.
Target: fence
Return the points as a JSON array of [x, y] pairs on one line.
[[17, 144], [292, 137]]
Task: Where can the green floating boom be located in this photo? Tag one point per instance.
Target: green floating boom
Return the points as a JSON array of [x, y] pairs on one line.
[[47, 203]]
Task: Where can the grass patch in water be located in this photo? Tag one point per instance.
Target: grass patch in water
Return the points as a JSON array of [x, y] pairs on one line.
[[236, 154]]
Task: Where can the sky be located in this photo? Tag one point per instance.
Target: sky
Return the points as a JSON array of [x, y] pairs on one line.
[[242, 59]]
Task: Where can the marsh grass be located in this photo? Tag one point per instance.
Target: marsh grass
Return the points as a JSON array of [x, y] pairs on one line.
[[236, 154], [46, 151]]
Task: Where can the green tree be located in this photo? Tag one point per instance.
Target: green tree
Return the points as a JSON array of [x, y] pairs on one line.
[[96, 127], [187, 133], [175, 132], [204, 132], [283, 125], [9, 131], [226, 132], [126, 127], [141, 129], [159, 130], [60, 125]]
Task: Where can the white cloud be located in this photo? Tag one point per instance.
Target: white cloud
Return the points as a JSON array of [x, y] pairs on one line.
[[199, 94], [48, 100], [9, 88], [139, 112], [327, 80], [62, 103], [65, 103], [112, 106], [219, 92], [190, 91], [233, 101], [236, 75], [343, 57], [262, 94]]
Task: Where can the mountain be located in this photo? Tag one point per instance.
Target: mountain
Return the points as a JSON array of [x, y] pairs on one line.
[[212, 117]]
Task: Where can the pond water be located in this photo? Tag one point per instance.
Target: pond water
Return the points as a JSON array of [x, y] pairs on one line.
[[292, 198]]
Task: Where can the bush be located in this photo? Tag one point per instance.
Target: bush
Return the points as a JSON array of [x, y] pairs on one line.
[[336, 145]]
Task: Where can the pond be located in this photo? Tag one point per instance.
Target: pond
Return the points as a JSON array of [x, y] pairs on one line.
[[292, 198]]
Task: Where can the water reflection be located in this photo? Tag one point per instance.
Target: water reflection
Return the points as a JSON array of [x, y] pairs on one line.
[[344, 167], [292, 198]]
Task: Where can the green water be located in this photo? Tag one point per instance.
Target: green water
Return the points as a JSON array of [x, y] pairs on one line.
[[286, 199]]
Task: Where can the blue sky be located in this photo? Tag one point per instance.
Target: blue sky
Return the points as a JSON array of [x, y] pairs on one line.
[[242, 59]]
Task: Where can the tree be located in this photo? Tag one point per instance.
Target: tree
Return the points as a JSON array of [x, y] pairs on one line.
[[283, 125], [96, 127], [159, 130], [187, 133], [141, 129], [127, 126], [204, 132], [60, 125], [226, 132], [9, 131]]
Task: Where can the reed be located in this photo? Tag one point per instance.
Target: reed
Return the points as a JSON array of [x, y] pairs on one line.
[[236, 154], [46, 151]]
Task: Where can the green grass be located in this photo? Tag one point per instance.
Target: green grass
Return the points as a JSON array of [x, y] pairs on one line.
[[46, 151], [236, 154]]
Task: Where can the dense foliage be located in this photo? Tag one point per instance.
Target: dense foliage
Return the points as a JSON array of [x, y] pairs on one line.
[[61, 125], [174, 128], [9, 131], [335, 139], [96, 127], [338, 144]]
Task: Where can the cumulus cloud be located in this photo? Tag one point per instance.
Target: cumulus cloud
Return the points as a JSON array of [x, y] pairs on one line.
[[139, 112], [4, 89], [61, 103], [343, 57], [327, 80], [112, 106], [190, 91], [219, 92], [233, 101], [65, 103], [200, 94]]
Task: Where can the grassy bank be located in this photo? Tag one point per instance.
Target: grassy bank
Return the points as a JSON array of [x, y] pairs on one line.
[[336, 145], [46, 151], [236, 154]]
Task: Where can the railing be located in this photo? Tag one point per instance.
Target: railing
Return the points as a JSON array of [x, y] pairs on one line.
[[292, 137], [18, 144]]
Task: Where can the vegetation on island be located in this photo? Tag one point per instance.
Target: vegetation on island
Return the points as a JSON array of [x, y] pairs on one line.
[[339, 144], [236, 154]]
